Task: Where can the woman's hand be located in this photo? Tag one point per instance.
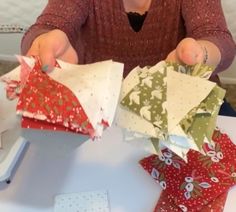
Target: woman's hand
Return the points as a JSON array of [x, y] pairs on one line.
[[190, 51], [50, 46]]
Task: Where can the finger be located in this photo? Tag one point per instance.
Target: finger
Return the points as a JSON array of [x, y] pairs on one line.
[[172, 57], [69, 56], [200, 54], [191, 57], [189, 52], [34, 50], [188, 57], [47, 57]]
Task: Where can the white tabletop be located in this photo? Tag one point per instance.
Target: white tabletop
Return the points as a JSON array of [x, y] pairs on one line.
[[58, 163]]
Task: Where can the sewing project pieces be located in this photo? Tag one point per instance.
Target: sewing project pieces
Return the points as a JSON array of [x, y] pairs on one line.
[[166, 204], [200, 184], [90, 201], [16, 79], [175, 106], [76, 98]]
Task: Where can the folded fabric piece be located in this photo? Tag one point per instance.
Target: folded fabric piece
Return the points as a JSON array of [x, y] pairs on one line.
[[166, 204], [77, 98], [169, 104], [12, 89], [44, 99], [197, 183], [15, 84]]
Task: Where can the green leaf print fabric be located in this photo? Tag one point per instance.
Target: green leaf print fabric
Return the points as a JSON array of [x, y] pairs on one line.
[[175, 106], [148, 99]]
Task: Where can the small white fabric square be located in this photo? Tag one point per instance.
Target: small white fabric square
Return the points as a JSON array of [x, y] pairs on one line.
[[90, 201]]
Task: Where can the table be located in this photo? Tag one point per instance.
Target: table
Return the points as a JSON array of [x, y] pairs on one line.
[[58, 163]]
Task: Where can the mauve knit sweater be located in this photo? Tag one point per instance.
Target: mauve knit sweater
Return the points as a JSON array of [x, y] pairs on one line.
[[100, 29]]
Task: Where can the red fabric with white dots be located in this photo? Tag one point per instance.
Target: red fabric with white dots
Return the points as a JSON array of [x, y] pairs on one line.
[[165, 204], [192, 185], [59, 107]]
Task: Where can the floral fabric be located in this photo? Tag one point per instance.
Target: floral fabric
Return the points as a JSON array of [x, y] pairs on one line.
[[195, 184], [166, 204], [148, 98], [50, 105], [175, 106], [76, 98]]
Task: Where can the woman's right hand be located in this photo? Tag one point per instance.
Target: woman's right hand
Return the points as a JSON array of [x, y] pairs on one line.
[[51, 46]]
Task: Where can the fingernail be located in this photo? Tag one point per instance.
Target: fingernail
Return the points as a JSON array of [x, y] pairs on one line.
[[45, 68]]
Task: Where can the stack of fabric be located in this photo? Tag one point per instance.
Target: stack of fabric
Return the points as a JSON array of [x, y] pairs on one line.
[[171, 106], [202, 183], [174, 108], [80, 99]]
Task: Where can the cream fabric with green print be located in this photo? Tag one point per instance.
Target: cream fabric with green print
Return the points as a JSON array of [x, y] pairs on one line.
[[184, 93], [199, 70], [201, 121], [148, 98], [174, 105], [127, 119]]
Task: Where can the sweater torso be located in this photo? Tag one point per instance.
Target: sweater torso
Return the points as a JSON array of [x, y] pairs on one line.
[[107, 34], [100, 30]]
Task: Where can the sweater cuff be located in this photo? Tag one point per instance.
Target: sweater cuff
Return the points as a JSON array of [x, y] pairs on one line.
[[28, 38]]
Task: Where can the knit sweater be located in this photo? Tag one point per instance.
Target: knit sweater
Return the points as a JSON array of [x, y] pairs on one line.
[[100, 30]]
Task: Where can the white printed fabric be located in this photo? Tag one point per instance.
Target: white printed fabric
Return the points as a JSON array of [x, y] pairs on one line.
[[91, 201]]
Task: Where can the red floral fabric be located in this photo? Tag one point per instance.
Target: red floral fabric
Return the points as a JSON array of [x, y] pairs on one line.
[[47, 104], [14, 87], [166, 204], [192, 185]]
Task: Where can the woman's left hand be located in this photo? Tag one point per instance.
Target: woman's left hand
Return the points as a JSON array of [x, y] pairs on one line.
[[188, 51]]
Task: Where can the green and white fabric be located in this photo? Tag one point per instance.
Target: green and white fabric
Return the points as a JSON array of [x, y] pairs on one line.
[[172, 105]]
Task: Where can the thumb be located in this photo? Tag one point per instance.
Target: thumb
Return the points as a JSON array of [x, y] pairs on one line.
[[189, 51], [47, 57]]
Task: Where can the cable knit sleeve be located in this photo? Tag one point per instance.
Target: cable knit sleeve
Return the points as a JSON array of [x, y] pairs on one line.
[[204, 19], [66, 15]]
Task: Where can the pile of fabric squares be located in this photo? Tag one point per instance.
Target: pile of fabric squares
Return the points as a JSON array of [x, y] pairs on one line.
[[75, 98], [202, 183], [172, 105]]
